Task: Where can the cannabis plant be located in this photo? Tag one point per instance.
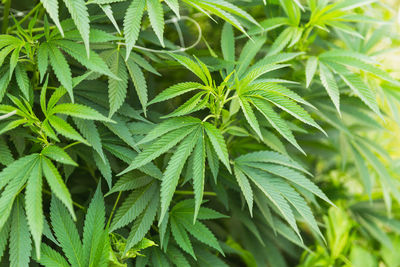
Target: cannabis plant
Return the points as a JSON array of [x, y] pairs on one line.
[[197, 133]]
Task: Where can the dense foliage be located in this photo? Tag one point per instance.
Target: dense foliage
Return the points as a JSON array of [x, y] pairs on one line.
[[198, 133]]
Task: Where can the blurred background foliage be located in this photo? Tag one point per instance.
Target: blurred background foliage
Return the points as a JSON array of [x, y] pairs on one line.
[[362, 230]]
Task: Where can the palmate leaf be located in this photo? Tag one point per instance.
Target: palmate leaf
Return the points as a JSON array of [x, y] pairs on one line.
[[285, 172], [33, 205], [282, 41], [269, 178], [272, 141], [274, 181], [4, 233], [357, 85], [174, 168], [109, 13], [61, 68], [290, 107], [143, 63], [201, 233], [78, 111], [199, 157], [5, 52], [193, 104], [245, 187], [94, 249], [16, 169], [14, 59], [249, 51], [64, 128], [187, 133], [56, 184], [156, 15], [51, 258], [80, 16], [159, 258], [311, 68], [117, 90], [127, 155], [176, 256], [292, 10], [293, 177], [249, 115], [66, 232], [357, 61], [373, 160], [162, 145], [4, 81], [23, 82], [58, 154], [224, 10], [42, 60], [20, 242], [174, 6], [95, 36], [181, 237], [132, 23], [143, 223], [298, 203], [260, 93], [139, 82], [264, 183], [212, 158], [133, 206], [51, 7], [329, 82], [11, 125], [267, 25], [263, 205], [14, 176], [93, 232], [229, 7], [168, 126], [228, 44], [55, 97], [185, 207], [104, 167], [90, 59], [221, 11], [130, 181], [121, 130], [218, 142], [192, 66], [89, 131], [275, 120], [175, 90], [182, 224], [6, 158], [256, 72]]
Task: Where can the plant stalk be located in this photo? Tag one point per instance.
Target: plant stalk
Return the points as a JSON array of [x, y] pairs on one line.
[[6, 14]]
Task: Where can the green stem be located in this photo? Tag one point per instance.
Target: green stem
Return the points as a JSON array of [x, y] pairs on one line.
[[27, 16], [113, 209], [6, 14], [207, 117], [231, 98], [38, 29], [183, 192], [70, 145]]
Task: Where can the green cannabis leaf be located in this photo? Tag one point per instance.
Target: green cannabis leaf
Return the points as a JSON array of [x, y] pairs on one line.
[[199, 133]]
